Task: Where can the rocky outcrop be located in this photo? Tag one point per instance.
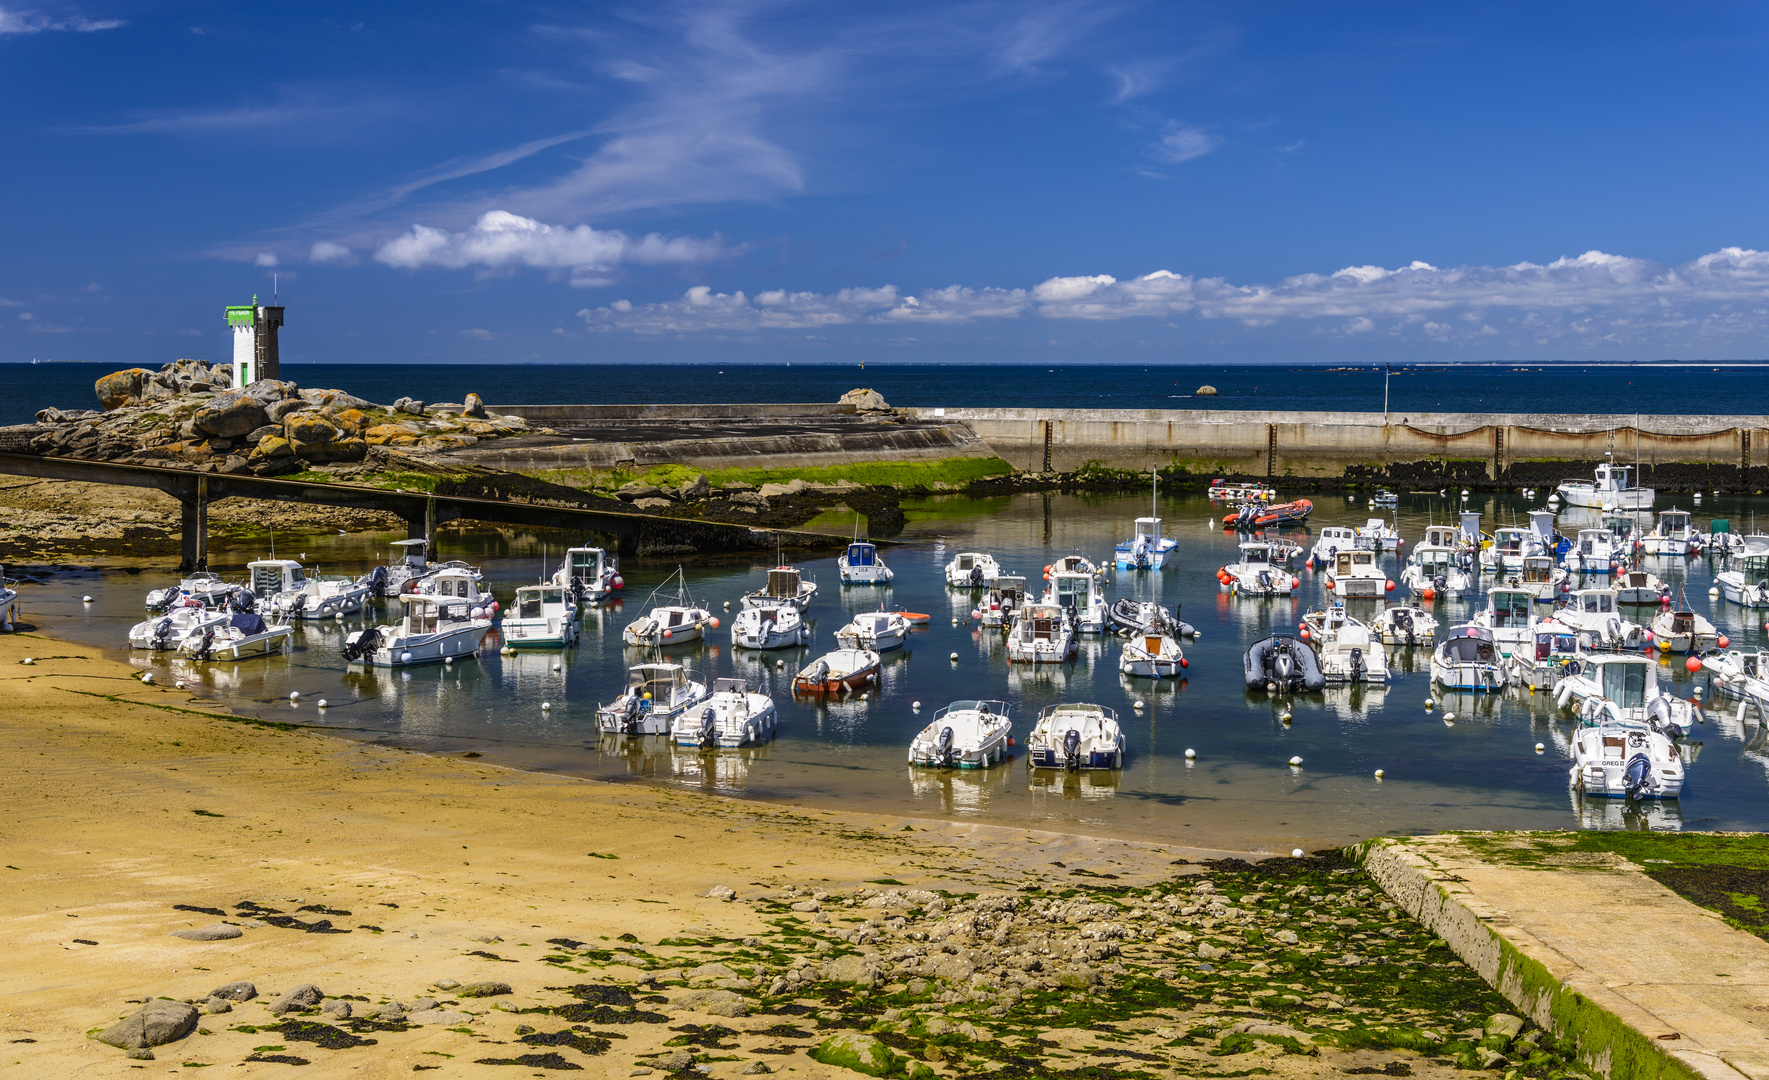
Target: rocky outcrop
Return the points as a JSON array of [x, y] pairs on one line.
[[230, 415], [154, 1024], [865, 400], [139, 386]]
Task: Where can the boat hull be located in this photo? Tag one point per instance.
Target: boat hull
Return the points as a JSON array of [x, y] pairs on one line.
[[458, 644]]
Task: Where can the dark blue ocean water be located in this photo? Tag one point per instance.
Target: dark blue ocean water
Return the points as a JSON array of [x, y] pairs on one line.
[[1649, 389]]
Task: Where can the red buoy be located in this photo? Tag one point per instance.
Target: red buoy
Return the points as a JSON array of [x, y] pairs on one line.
[[1722, 641], [1388, 586], [1693, 664]]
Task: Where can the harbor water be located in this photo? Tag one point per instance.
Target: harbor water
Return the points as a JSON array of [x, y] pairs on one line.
[[1469, 763]]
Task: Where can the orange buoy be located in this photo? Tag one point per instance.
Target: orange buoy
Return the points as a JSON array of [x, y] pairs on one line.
[[1693, 664]]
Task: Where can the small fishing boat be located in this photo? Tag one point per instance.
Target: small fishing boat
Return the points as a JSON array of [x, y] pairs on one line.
[[775, 626], [208, 588], [1609, 490], [242, 636], [1684, 631], [1147, 549], [1594, 551], [1378, 535], [1540, 577], [1510, 545], [733, 716], [1255, 574], [786, 584], [432, 629], [1435, 570], [1595, 610], [1332, 540], [1510, 618], [1041, 634], [1267, 516], [1358, 573], [1282, 664], [1222, 491], [1641, 587], [590, 573], [1746, 577], [655, 695], [1384, 497], [1007, 595], [1623, 758], [1076, 737], [1543, 665], [168, 630], [269, 578], [964, 735], [8, 603], [1402, 624], [1674, 535], [320, 597], [879, 631], [860, 565], [1348, 650], [1469, 659], [1078, 592], [410, 561], [1739, 672], [838, 672], [1152, 656], [541, 617], [971, 570], [670, 624]]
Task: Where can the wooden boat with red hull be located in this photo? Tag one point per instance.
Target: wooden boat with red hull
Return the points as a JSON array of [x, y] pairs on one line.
[[1260, 517]]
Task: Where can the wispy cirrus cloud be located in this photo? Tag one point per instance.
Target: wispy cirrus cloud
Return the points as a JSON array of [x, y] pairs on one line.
[[15, 21], [323, 113], [1184, 142], [1594, 296], [501, 241]]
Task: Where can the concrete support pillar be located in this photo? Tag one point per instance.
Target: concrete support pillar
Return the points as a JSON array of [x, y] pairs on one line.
[[430, 527], [194, 537]]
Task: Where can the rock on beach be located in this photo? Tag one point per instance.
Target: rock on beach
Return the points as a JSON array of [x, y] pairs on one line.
[[156, 1023]]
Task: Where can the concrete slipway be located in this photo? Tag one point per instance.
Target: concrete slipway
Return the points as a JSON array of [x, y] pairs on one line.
[[1646, 983]]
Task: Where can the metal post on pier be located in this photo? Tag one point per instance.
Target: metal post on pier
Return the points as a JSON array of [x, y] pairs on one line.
[[430, 527], [194, 538]]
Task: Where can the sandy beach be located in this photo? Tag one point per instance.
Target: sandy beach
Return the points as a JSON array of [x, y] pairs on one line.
[[124, 801]]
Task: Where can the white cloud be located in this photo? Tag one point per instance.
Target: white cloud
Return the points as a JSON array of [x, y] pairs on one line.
[[500, 240], [1594, 296], [13, 21], [264, 258], [1184, 143], [325, 251]]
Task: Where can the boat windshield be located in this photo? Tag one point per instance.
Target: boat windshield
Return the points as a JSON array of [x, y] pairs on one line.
[[1597, 602], [586, 564], [1510, 608], [528, 604], [1625, 684], [730, 686]]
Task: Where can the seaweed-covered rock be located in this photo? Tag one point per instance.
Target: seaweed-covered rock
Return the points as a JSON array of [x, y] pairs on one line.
[[483, 989], [857, 1051], [154, 1024]]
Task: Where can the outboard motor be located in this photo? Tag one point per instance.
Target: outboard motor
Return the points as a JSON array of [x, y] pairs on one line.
[[635, 711], [1637, 777], [362, 643], [162, 631], [1441, 583], [1265, 579], [943, 746], [1357, 664], [708, 732], [1283, 666], [377, 582], [1071, 749], [1403, 620], [208, 648], [244, 600], [976, 576]]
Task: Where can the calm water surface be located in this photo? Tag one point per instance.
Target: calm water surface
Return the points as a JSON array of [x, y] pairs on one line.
[[1478, 771]]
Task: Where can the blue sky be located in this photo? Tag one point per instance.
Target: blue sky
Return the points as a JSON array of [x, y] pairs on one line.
[[1040, 182]]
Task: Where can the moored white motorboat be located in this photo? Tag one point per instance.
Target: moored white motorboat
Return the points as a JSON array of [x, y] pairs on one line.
[[1510, 617], [1595, 610], [1739, 672], [670, 624], [1673, 536], [1347, 648], [320, 597], [430, 630], [8, 603], [1007, 595], [1256, 574], [732, 716], [1376, 534], [1540, 577], [1358, 574], [267, 579], [455, 580], [838, 671], [1683, 631], [656, 693], [1327, 546], [1436, 570], [1510, 544], [1624, 758], [168, 630], [1079, 593], [1404, 624], [1609, 490], [786, 584], [541, 617], [1469, 659], [1152, 656], [1146, 549], [209, 589], [1594, 551], [1628, 684], [879, 631], [1041, 634], [964, 735], [773, 626], [410, 561], [1543, 665], [861, 565], [244, 635], [1077, 736], [1746, 577], [971, 570], [591, 574]]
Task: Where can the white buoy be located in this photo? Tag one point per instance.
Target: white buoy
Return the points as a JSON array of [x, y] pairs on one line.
[[508, 650], [1286, 717], [1295, 761], [179, 684], [546, 706], [147, 676], [955, 658], [954, 620], [1540, 748], [557, 666], [1380, 774], [294, 695], [1429, 704], [1296, 853], [1449, 716], [916, 705], [1714, 592], [87, 599], [1190, 754], [779, 665], [1695, 691], [1137, 704], [322, 703], [448, 661]]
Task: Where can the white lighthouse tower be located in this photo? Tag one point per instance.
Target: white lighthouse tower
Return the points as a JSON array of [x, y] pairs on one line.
[[255, 354]]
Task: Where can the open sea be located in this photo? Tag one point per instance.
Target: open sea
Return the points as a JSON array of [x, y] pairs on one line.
[[1623, 388], [1470, 763]]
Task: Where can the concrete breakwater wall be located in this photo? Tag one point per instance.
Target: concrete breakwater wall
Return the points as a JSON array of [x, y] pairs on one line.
[[1724, 451]]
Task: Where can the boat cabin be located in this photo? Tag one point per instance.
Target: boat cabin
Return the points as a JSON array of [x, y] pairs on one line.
[[1593, 601], [1537, 568], [539, 601], [966, 560], [1071, 589], [783, 583], [861, 553], [1674, 523], [1626, 679], [1149, 527], [1073, 564], [1258, 555], [1434, 560], [1510, 607], [1340, 536], [1558, 643], [1509, 540], [872, 625], [585, 564], [1355, 564], [1008, 592], [1683, 622], [665, 683], [426, 614], [1041, 622], [1440, 536], [1470, 645], [1621, 528], [452, 581], [413, 553], [268, 577], [1541, 522]]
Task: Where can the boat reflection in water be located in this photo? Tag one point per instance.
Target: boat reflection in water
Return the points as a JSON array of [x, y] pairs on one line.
[[960, 791], [1637, 815], [1355, 702], [1072, 783], [724, 770]]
